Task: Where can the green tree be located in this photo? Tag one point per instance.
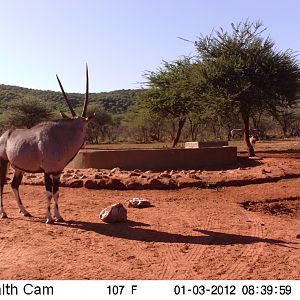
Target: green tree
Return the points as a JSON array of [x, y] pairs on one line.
[[286, 118], [172, 92], [26, 112], [115, 129], [245, 70], [144, 125], [98, 127]]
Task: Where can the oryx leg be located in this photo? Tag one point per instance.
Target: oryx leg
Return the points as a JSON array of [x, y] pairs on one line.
[[55, 190], [52, 190], [15, 187], [48, 185], [3, 171]]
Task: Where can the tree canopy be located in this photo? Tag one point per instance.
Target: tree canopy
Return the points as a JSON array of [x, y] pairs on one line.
[[27, 112], [243, 69], [173, 92]]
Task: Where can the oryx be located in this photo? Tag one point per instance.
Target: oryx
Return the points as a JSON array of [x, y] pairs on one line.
[[45, 148]]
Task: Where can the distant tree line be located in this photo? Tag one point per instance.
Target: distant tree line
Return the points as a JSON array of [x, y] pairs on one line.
[[237, 79]]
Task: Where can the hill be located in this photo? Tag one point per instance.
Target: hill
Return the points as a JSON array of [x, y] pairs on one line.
[[115, 102]]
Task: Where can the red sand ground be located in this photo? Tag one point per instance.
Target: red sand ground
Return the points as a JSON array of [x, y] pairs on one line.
[[234, 232]]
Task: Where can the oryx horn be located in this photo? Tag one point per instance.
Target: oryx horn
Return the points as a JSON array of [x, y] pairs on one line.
[[86, 100], [66, 98]]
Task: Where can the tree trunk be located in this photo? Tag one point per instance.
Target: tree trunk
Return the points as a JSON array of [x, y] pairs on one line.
[[229, 132], [193, 129], [285, 128], [178, 133], [250, 149], [214, 130]]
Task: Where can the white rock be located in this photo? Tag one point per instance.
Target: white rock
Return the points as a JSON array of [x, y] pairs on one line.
[[138, 202], [114, 213]]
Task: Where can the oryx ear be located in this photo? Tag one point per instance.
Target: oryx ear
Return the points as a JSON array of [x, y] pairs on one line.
[[64, 115]]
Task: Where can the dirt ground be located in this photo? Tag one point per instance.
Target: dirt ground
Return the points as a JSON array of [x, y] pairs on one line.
[[251, 231]]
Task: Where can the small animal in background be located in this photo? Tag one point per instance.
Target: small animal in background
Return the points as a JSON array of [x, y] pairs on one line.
[[252, 140]]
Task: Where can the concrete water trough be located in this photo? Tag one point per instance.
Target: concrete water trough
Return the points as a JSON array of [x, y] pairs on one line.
[[155, 159]]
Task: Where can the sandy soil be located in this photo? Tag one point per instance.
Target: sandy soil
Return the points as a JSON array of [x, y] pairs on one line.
[[223, 231]]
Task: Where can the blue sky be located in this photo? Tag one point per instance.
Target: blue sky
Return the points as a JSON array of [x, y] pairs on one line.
[[119, 39]]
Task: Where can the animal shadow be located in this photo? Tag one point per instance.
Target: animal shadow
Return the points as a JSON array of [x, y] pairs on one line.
[[138, 231]]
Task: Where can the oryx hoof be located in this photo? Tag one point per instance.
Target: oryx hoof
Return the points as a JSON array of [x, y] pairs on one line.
[[50, 221], [60, 219], [27, 214], [4, 216]]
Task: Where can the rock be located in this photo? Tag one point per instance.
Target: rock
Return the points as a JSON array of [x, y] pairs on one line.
[[165, 175], [173, 173], [98, 176], [76, 184], [115, 184], [138, 203], [67, 175], [265, 171], [133, 184], [29, 176], [188, 182], [114, 213], [95, 184], [72, 183], [173, 184], [115, 170], [132, 174], [156, 184], [36, 181], [176, 176], [78, 172], [194, 176]]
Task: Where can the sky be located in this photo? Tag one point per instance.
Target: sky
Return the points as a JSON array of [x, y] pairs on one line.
[[120, 39]]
